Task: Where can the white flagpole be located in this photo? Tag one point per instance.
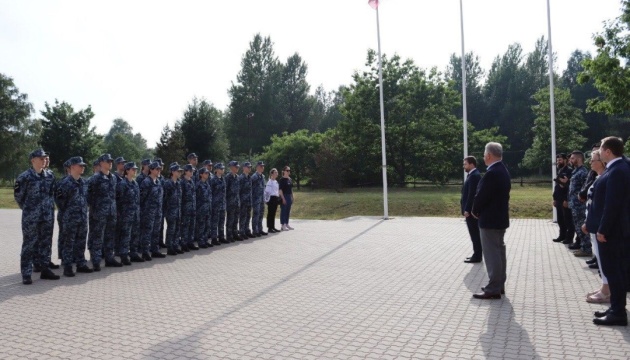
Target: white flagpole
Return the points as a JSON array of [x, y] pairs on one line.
[[380, 79], [464, 106], [552, 105]]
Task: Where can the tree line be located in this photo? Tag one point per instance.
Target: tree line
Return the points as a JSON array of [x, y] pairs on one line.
[[332, 138]]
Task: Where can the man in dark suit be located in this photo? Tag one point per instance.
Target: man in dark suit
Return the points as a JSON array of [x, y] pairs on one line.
[[468, 195], [491, 207], [560, 190], [611, 199]]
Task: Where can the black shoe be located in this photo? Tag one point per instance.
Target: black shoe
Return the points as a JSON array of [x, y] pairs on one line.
[[215, 242], [250, 235], [124, 259], [224, 241], [567, 241], [472, 260], [502, 290], [558, 239], [136, 258], [112, 263], [157, 254], [162, 245], [146, 257], [37, 268], [185, 248], [240, 237], [575, 246], [96, 267], [486, 296], [52, 265], [592, 261], [263, 233], [204, 246], [593, 266], [193, 247], [47, 274], [171, 252], [611, 320], [601, 313], [179, 251], [272, 230], [67, 271], [84, 269], [26, 280]]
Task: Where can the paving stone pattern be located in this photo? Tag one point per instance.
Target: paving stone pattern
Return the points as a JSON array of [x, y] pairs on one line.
[[358, 288]]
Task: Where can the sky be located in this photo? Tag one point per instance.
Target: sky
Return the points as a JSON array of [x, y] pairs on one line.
[[144, 61]]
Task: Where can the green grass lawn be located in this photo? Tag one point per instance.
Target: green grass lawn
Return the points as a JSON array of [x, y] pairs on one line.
[[526, 202]]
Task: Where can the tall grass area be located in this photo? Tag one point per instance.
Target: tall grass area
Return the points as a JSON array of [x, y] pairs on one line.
[[525, 202]]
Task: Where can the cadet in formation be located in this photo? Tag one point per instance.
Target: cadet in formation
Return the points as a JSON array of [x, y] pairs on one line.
[[120, 168], [245, 197], [189, 208], [172, 209], [208, 165], [233, 205], [193, 161], [71, 198], [66, 167], [204, 204], [151, 213], [51, 265], [33, 193], [101, 198], [128, 204], [217, 184], [258, 204]]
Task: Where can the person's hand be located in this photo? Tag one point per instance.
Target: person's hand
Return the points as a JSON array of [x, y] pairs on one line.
[[581, 199], [564, 179], [284, 202], [466, 214], [601, 238], [584, 230], [475, 215], [565, 204]]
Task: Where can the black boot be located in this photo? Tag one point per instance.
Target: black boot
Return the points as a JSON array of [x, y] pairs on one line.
[[112, 263], [124, 259], [96, 267], [67, 271], [146, 257], [136, 258], [47, 274], [84, 269], [52, 265], [215, 242], [157, 254], [37, 268], [185, 248], [224, 241], [26, 280]]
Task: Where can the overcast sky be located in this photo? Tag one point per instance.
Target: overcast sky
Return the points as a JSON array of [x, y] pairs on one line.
[[145, 60]]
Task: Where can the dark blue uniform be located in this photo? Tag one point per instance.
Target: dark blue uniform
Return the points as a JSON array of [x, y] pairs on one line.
[[128, 204], [172, 213], [217, 184], [258, 203], [189, 208], [71, 199], [101, 197], [204, 211], [150, 214], [233, 205], [245, 195]]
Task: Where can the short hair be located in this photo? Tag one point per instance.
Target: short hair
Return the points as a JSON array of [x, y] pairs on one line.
[[471, 160], [614, 144], [495, 149], [579, 154], [562, 155], [273, 170], [596, 145]]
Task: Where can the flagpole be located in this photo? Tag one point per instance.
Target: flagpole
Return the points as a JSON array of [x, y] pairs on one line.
[[464, 105], [552, 105], [380, 80]]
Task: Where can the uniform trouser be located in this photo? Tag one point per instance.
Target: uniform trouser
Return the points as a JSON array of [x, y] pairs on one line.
[[615, 259], [218, 223], [202, 230], [127, 231], [231, 224], [272, 208], [158, 228], [579, 218], [148, 221], [245, 217], [568, 222], [36, 245], [209, 223], [562, 224], [161, 233], [595, 248], [101, 237], [59, 237], [475, 237], [257, 217], [188, 229], [172, 232], [285, 209], [74, 235], [494, 256]]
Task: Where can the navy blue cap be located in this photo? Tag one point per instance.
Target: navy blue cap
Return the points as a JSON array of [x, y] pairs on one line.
[[189, 167], [218, 166], [247, 164], [207, 162], [96, 163], [260, 163], [105, 158], [159, 160], [145, 162], [203, 171], [155, 165], [233, 163], [66, 164], [130, 165], [191, 155], [120, 160], [175, 167], [76, 160], [38, 153]]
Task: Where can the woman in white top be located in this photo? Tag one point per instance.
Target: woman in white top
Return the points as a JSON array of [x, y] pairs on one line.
[[272, 199]]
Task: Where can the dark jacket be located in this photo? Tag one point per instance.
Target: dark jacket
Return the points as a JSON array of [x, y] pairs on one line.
[[469, 190], [491, 204], [560, 190], [611, 199]]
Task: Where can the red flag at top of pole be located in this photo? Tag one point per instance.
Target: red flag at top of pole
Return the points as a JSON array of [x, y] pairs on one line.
[[373, 4]]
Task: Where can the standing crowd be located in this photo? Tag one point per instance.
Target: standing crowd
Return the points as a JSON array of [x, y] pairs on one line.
[[593, 213], [122, 213]]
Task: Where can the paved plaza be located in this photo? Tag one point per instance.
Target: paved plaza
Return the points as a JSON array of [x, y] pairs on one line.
[[358, 288]]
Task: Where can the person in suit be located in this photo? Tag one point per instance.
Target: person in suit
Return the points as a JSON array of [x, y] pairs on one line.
[[468, 195], [491, 206], [611, 199], [560, 190]]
